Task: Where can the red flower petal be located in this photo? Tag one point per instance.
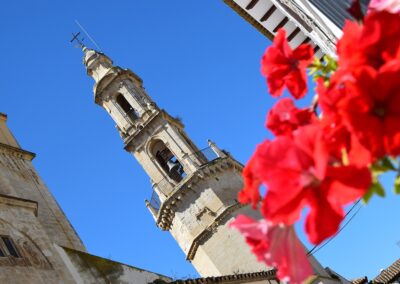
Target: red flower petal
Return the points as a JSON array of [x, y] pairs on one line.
[[284, 67], [276, 246], [284, 117]]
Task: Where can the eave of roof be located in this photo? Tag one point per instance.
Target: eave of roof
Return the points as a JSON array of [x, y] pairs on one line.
[[362, 280], [264, 275]]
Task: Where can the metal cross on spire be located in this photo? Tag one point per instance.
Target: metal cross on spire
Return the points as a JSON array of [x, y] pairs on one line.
[[79, 41]]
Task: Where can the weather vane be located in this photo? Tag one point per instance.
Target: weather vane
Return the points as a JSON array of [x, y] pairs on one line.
[[79, 41]]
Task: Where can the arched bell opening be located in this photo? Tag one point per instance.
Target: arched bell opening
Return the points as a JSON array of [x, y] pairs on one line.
[[126, 107], [167, 161]]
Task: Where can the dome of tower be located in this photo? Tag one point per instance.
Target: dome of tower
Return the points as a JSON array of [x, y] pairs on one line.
[[91, 55], [88, 53]]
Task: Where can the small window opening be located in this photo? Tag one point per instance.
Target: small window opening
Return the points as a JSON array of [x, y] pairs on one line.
[[10, 246], [2, 254], [126, 107], [168, 162]]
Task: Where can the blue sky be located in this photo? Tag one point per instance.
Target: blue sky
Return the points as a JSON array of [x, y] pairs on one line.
[[198, 60]]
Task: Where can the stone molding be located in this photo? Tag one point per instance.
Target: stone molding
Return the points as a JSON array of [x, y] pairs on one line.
[[16, 152], [110, 77], [136, 140], [167, 209], [20, 202], [249, 18]]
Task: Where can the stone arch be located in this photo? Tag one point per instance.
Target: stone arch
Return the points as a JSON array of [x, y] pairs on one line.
[[166, 159], [31, 253], [127, 109]]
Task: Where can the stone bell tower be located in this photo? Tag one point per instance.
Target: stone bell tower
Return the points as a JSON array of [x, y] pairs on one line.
[[194, 191]]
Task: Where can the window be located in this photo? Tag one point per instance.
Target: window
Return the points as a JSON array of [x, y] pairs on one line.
[[2, 254], [168, 162], [126, 107], [9, 245]]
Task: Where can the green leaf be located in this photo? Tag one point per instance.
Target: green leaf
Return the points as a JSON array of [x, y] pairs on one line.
[[331, 63], [375, 188], [396, 187], [322, 69], [379, 190], [382, 166], [387, 163]]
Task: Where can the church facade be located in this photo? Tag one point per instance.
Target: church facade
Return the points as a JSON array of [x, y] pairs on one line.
[[37, 242]]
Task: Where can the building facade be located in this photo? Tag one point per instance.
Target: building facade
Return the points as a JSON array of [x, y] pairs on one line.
[[318, 22], [37, 242]]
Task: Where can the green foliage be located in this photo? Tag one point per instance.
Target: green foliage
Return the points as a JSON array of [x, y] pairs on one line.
[[375, 188], [396, 186], [383, 165], [380, 167], [323, 69]]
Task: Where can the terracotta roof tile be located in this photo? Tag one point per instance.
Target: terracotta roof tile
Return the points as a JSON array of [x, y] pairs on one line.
[[363, 280], [264, 275], [389, 274]]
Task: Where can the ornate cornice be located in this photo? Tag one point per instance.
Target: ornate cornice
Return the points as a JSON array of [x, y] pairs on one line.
[[249, 18], [309, 26], [167, 209], [142, 128], [16, 152], [111, 76], [308, 20]]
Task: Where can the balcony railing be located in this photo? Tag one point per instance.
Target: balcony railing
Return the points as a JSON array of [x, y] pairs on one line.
[[167, 185], [131, 115], [204, 156], [155, 201]]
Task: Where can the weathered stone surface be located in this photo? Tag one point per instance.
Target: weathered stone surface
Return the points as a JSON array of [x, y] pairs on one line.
[[36, 228], [87, 268]]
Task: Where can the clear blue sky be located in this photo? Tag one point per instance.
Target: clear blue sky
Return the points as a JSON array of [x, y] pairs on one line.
[[198, 60]]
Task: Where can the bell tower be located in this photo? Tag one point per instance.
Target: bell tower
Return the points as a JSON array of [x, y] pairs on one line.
[[194, 191]]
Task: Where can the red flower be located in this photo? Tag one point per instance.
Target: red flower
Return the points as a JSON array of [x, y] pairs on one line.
[[371, 110], [392, 6], [284, 117], [373, 43], [250, 193], [297, 173], [276, 246], [355, 10], [335, 134], [283, 66]]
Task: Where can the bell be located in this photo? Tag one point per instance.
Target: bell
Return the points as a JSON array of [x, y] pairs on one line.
[[173, 166], [174, 170]]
